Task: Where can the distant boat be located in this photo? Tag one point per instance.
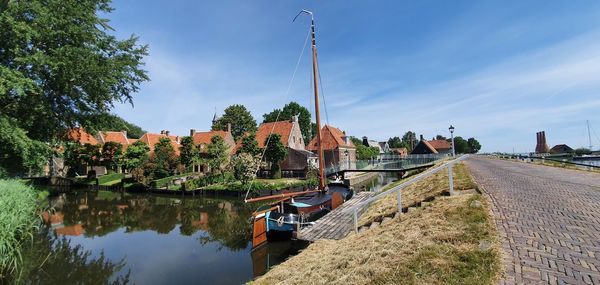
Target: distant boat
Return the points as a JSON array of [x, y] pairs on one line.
[[293, 211]]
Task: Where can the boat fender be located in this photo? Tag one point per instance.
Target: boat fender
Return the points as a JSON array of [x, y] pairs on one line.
[[280, 221]]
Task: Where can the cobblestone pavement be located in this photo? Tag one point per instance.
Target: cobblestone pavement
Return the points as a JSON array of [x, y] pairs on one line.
[[548, 219]]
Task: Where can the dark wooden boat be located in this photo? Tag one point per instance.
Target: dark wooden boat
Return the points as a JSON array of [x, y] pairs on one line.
[[293, 211]]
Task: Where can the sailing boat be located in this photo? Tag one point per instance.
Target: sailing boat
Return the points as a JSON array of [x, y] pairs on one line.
[[291, 211]]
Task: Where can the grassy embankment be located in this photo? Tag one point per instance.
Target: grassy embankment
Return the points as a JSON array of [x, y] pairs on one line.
[[18, 220], [445, 242]]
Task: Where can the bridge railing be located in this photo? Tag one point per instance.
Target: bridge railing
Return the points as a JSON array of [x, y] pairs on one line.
[[388, 162], [358, 209]]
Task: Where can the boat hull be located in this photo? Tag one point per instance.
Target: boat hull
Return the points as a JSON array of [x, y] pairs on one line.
[[301, 211]]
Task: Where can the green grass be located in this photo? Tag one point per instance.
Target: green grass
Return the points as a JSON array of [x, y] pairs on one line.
[[18, 219], [110, 179]]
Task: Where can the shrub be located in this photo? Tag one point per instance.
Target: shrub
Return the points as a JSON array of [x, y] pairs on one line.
[[18, 219]]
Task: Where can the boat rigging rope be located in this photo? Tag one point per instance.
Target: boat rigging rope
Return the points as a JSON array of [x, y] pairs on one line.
[[287, 92]]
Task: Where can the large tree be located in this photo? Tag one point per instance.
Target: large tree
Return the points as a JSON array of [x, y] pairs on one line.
[[136, 155], [275, 153], [112, 153], [239, 118], [218, 155], [188, 153], [289, 110], [59, 64], [474, 145], [18, 153], [410, 140], [164, 158], [106, 121], [249, 145], [397, 142]]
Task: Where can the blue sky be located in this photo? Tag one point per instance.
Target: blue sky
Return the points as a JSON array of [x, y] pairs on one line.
[[497, 70]]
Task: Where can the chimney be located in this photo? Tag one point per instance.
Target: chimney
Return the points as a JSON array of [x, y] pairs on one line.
[[192, 132], [229, 127], [167, 133], [365, 141], [162, 132], [124, 133], [178, 139], [421, 136], [295, 119]]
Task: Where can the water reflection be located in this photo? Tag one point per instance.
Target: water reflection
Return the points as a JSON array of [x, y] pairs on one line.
[[149, 239]]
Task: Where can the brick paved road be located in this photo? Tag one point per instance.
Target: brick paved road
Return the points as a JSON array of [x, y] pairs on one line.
[[548, 218]]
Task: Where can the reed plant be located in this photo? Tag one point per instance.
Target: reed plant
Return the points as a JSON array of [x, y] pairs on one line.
[[18, 221]]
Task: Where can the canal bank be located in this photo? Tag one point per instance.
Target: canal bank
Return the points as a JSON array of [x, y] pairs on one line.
[[449, 240]]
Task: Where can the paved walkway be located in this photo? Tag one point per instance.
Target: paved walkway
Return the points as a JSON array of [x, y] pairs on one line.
[[549, 220]]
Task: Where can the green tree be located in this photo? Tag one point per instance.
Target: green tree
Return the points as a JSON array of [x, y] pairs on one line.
[[365, 153], [289, 110], [72, 157], [410, 140], [397, 142], [474, 145], [218, 155], [164, 158], [460, 145], [136, 155], [275, 153], [18, 153], [106, 121], [249, 145], [111, 155], [60, 62], [90, 154], [240, 119], [188, 153], [440, 137]]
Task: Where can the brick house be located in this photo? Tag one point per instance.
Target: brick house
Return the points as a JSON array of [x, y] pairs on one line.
[[152, 139], [203, 139], [338, 149], [432, 147], [298, 158]]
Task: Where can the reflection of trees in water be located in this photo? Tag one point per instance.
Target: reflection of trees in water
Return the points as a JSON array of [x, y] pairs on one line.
[[225, 221], [51, 260]]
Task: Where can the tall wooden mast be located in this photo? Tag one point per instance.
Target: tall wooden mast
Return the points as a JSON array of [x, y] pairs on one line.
[[317, 113]]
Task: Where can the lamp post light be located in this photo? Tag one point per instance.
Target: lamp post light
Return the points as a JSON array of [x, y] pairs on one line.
[[347, 153], [451, 128]]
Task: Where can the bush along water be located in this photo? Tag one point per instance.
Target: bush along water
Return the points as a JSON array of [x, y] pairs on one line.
[[18, 221]]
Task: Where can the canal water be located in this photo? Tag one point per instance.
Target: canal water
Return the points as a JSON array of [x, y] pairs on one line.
[[111, 238], [102, 237]]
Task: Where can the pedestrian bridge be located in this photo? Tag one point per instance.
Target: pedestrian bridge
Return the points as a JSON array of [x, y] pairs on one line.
[[384, 164]]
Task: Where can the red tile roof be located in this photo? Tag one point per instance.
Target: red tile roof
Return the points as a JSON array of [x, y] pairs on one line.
[[205, 137], [79, 135], [440, 144], [282, 128], [152, 139], [119, 137], [332, 138]]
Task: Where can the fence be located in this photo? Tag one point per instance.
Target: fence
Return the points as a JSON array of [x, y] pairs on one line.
[[358, 208], [396, 162]]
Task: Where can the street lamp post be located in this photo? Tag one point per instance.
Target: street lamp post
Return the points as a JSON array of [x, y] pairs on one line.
[[451, 128], [347, 153]]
